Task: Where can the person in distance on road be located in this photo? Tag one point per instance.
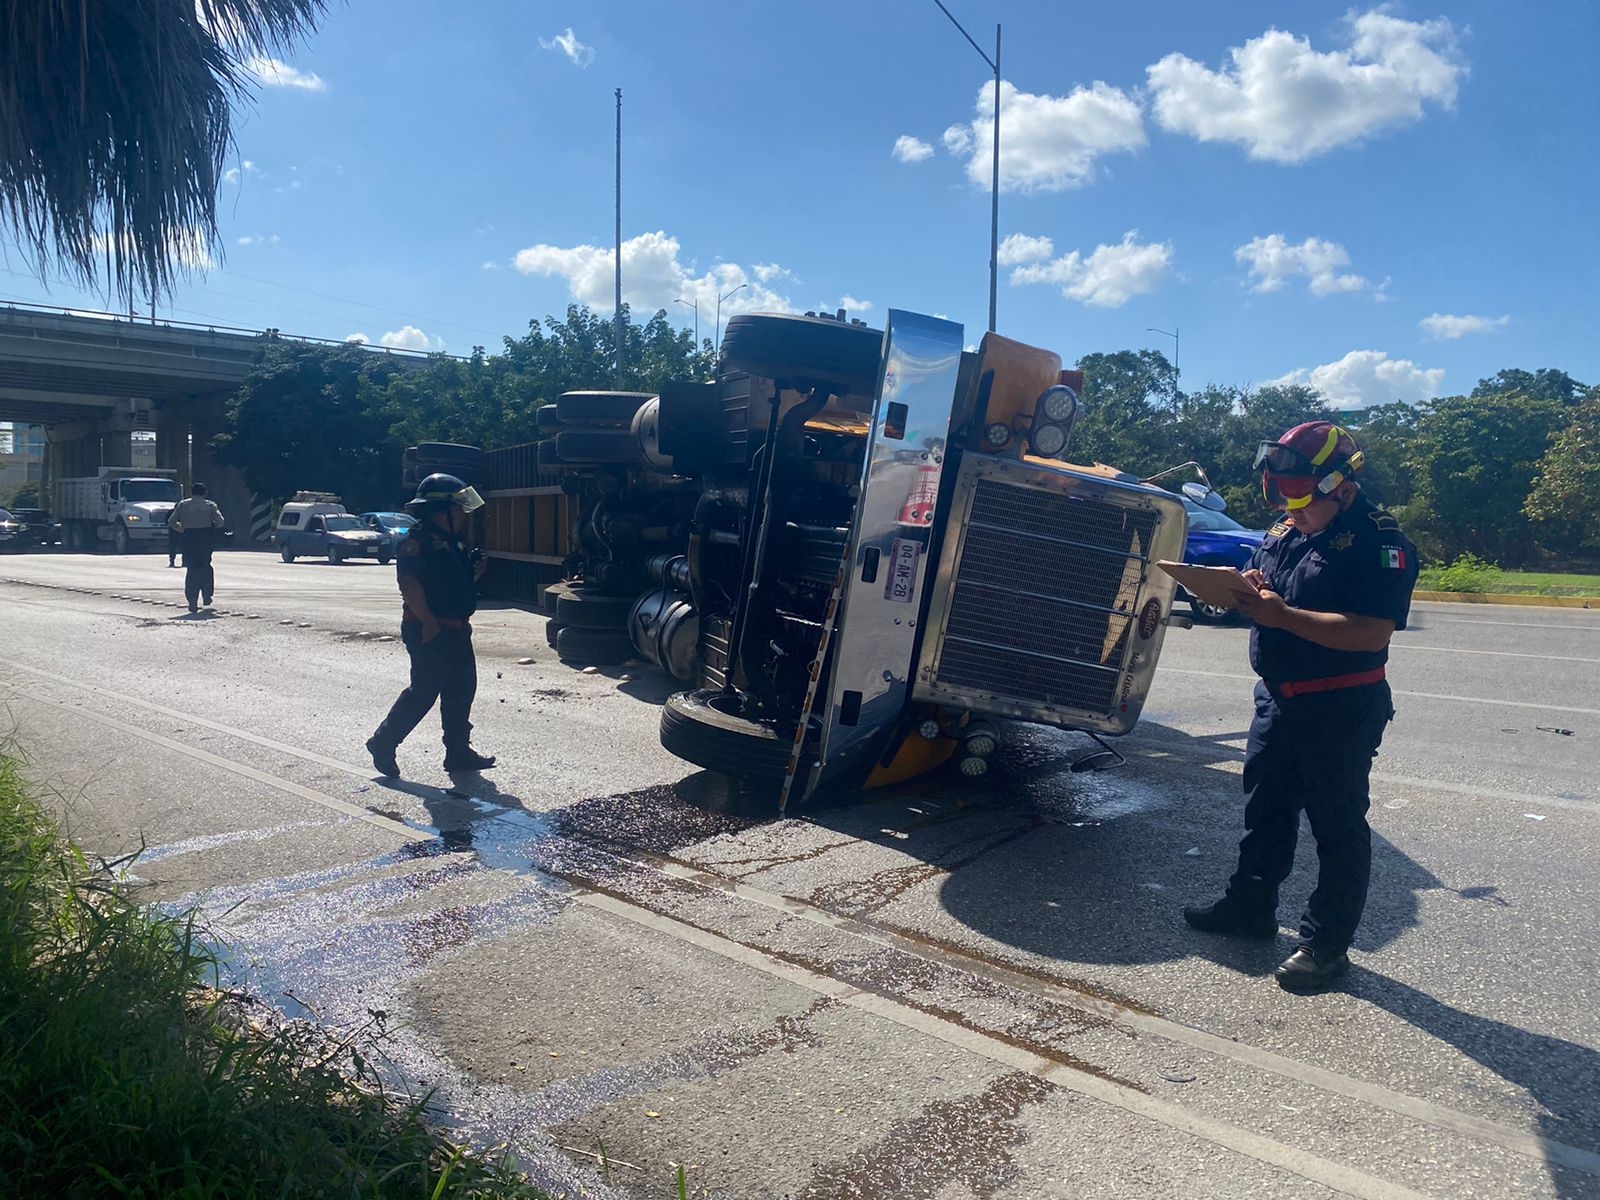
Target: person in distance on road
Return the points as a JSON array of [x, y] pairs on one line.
[[438, 581], [1334, 581], [197, 521]]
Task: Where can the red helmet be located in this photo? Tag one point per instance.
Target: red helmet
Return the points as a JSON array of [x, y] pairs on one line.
[[1307, 463]]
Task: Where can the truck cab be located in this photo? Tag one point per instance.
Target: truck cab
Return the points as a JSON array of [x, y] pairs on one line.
[[855, 548], [127, 507]]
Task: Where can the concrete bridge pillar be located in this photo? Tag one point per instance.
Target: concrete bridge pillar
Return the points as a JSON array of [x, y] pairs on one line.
[[172, 447], [116, 449], [225, 485]]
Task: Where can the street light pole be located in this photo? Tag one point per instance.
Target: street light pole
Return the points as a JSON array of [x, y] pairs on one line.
[[720, 299], [694, 304], [1174, 336], [994, 179]]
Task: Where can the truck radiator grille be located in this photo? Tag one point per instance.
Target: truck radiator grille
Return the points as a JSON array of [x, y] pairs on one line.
[[1044, 596]]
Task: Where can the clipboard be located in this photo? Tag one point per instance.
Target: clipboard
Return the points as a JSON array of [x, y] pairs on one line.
[[1223, 586]]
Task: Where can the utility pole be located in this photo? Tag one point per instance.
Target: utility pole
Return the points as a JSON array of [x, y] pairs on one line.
[[994, 181], [618, 311]]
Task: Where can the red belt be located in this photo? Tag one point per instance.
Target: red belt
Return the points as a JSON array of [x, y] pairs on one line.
[[1333, 683]]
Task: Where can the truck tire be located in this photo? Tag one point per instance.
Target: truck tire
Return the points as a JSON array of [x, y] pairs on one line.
[[548, 419], [286, 554], [584, 608], [612, 446], [546, 460], [593, 647], [804, 349], [335, 556], [710, 729], [119, 539], [600, 408]]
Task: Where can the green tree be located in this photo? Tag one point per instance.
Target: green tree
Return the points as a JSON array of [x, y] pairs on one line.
[[313, 417], [1565, 497], [1473, 462], [1386, 432], [1545, 384], [1127, 399]]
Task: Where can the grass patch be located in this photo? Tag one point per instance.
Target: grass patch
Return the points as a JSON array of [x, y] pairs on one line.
[[124, 1073], [1472, 574]]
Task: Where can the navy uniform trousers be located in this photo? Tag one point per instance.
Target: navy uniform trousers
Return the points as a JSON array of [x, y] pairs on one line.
[[1312, 753], [443, 670]]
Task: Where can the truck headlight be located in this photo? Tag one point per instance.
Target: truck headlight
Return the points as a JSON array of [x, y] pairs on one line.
[[132, 518], [1059, 404], [1048, 440]]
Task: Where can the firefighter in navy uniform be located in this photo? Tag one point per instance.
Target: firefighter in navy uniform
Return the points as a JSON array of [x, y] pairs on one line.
[[438, 580], [1334, 581]]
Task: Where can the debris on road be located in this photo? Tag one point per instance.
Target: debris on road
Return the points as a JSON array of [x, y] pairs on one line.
[[522, 662], [1534, 816], [1553, 729]]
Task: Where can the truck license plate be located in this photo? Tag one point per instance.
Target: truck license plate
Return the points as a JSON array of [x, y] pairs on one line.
[[902, 584]]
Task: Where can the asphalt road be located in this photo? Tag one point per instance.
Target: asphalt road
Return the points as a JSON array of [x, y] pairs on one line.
[[952, 989]]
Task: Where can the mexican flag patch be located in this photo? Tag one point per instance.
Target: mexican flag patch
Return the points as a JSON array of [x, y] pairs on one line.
[[1394, 558]]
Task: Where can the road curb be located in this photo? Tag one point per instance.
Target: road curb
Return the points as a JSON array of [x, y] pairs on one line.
[[1506, 598]]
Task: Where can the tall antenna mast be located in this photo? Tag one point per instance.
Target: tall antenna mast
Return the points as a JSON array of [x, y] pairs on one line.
[[618, 310]]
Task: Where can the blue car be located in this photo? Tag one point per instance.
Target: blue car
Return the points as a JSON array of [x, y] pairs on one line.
[[393, 526], [1216, 540]]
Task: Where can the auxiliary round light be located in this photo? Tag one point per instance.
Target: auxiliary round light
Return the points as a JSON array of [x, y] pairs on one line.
[[1059, 403], [998, 434], [982, 744], [928, 730], [974, 766], [1048, 440]]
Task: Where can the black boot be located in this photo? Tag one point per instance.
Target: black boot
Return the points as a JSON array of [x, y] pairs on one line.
[[383, 760], [467, 760], [1231, 919], [1311, 970]]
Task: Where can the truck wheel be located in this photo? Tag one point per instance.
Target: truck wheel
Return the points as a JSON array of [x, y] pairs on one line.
[[599, 446], [286, 554], [586, 609], [119, 539], [804, 349], [1215, 614], [593, 647], [335, 555], [600, 408], [712, 730]]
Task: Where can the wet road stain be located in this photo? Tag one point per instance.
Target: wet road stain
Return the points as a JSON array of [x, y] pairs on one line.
[[967, 1142]]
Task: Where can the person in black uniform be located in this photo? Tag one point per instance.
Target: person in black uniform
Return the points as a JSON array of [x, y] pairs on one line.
[[438, 580], [1334, 581]]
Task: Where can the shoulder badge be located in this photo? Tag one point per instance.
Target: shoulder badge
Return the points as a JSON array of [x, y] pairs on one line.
[[1278, 530], [1343, 541], [1383, 520], [1393, 558]]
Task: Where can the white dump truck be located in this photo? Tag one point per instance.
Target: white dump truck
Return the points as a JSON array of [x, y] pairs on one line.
[[127, 507]]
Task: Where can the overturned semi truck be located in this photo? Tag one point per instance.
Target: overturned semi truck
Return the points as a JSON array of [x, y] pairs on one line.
[[853, 548]]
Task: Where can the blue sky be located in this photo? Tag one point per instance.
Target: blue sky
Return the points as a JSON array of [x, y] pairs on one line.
[[1389, 203]]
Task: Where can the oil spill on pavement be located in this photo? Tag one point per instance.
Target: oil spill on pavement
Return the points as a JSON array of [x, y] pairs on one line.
[[966, 1141]]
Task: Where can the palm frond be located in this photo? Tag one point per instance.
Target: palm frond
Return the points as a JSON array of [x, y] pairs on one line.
[[115, 125]]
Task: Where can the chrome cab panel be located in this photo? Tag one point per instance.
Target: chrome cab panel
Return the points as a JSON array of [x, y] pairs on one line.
[[875, 631], [1047, 605]]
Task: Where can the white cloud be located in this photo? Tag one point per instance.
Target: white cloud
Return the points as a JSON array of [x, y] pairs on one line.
[[1363, 378], [1285, 102], [1442, 328], [653, 277], [569, 45], [1019, 248], [243, 171], [259, 239], [1047, 143], [409, 337], [1274, 262], [908, 149], [1107, 278], [850, 304], [359, 339], [272, 72], [489, 265]]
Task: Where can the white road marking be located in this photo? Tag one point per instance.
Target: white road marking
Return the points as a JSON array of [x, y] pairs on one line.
[[1507, 624], [1492, 653], [1555, 708]]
